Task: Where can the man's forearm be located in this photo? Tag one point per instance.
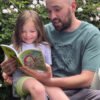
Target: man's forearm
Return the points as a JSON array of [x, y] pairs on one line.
[[77, 81]]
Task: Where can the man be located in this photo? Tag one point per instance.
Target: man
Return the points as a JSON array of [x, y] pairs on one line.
[[75, 51]]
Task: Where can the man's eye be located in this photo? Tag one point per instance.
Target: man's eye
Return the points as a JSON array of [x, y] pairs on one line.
[[57, 10]]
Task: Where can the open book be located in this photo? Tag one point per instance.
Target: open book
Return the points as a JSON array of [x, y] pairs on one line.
[[32, 58]]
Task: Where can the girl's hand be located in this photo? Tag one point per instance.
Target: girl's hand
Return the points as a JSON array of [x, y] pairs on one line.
[[49, 70], [8, 66]]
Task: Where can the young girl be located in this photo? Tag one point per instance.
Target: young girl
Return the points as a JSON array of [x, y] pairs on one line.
[[29, 33]]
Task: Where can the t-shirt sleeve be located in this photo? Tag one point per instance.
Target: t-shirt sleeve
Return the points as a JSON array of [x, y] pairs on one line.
[[46, 50], [91, 56], [48, 59]]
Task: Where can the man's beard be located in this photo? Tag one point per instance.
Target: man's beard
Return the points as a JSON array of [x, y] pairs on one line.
[[64, 25]]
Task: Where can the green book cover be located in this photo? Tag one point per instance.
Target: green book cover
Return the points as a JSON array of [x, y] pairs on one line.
[[32, 58]]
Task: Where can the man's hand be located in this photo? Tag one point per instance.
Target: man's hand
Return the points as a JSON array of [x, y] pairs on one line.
[[9, 66], [39, 75]]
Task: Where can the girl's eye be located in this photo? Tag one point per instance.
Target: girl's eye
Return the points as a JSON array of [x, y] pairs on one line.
[[23, 31], [29, 31], [32, 31]]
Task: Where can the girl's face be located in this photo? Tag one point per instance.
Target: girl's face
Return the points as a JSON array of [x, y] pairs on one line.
[[29, 33]]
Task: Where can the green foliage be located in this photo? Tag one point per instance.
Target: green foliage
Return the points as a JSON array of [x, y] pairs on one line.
[[43, 14], [7, 19], [90, 12]]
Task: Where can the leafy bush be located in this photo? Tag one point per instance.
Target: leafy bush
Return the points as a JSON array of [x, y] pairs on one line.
[[89, 11]]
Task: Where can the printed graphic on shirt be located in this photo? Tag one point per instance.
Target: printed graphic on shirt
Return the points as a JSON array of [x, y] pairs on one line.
[[63, 57]]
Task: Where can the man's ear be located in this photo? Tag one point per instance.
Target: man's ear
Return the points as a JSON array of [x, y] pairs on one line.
[[74, 5]]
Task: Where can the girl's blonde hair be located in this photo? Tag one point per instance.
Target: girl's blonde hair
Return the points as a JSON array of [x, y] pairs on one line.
[[21, 20]]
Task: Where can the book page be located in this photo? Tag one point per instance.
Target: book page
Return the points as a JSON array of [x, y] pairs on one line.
[[9, 51], [33, 59]]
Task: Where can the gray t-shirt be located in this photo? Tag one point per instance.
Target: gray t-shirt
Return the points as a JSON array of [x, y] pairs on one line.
[[74, 51]]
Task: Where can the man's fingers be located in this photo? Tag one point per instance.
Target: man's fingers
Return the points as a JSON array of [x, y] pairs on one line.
[[10, 70], [7, 62], [9, 66]]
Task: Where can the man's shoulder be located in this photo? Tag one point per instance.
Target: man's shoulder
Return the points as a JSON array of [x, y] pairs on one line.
[[48, 24], [90, 27], [89, 32]]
